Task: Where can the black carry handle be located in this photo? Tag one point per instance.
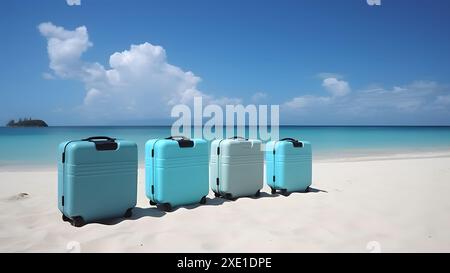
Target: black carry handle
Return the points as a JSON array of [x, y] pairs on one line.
[[103, 143], [295, 142], [238, 137], [99, 138], [183, 142], [177, 137]]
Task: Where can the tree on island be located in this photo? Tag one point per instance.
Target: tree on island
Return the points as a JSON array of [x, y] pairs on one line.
[[27, 123]]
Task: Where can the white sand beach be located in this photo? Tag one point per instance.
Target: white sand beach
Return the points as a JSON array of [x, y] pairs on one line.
[[358, 206]]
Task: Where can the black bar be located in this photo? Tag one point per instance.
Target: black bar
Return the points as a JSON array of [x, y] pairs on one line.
[[232, 262]]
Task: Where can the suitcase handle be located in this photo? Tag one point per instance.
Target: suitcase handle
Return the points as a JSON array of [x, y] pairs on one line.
[[183, 142], [104, 143], [238, 137], [295, 142], [177, 137], [99, 138]]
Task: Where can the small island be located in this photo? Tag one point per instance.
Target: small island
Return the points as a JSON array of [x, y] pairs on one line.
[[27, 123]]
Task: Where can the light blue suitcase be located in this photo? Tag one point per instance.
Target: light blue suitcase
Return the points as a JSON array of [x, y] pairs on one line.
[[97, 179], [176, 171], [288, 165], [236, 167]]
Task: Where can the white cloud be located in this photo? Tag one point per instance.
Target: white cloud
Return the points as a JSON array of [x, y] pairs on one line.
[[405, 98], [259, 97], [139, 82], [92, 96], [427, 86], [48, 76], [222, 100], [443, 100], [336, 87], [65, 48], [402, 101], [304, 102], [73, 2], [331, 82]]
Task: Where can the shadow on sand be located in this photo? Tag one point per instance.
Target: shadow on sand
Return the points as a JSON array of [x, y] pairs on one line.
[[310, 190], [153, 211]]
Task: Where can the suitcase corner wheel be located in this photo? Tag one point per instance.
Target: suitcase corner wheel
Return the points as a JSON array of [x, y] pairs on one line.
[[273, 190], [76, 221], [65, 218], [167, 207], [228, 196], [152, 203], [128, 213], [258, 193], [203, 200], [282, 191]]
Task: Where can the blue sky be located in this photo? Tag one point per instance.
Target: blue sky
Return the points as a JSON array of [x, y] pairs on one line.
[[324, 62]]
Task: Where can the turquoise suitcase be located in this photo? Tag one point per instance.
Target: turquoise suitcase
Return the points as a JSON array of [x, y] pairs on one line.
[[288, 165], [236, 167], [97, 179], [176, 171]]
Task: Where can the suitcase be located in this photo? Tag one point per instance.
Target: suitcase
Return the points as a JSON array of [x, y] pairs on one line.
[[176, 171], [236, 167], [97, 179], [288, 165]]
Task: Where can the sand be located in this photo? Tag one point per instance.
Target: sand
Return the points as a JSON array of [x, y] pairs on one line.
[[400, 205]]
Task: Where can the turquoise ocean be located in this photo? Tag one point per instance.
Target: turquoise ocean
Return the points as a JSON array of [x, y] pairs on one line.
[[38, 146]]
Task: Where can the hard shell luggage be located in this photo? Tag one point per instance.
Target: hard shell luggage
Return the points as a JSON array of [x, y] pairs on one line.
[[288, 165], [97, 179], [176, 171], [236, 167]]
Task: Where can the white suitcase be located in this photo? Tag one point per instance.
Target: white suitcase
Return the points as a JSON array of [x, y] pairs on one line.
[[236, 167]]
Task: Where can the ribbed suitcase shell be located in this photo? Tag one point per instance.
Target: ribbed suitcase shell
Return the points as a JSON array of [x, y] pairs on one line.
[[239, 166], [97, 184], [289, 168], [179, 176]]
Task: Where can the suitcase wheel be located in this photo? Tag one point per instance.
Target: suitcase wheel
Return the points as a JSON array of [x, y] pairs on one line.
[[166, 207], [258, 193], [284, 192], [228, 196], [128, 213], [203, 200], [78, 221], [216, 194], [65, 218], [273, 190], [307, 189], [152, 203]]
